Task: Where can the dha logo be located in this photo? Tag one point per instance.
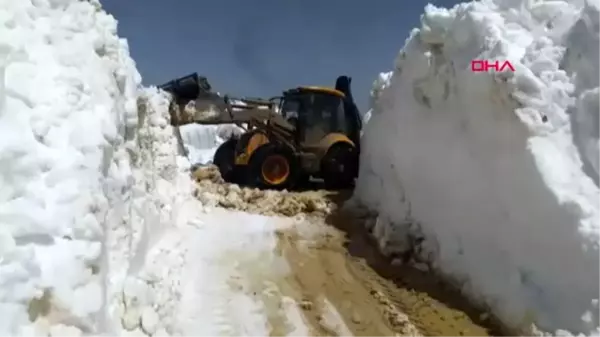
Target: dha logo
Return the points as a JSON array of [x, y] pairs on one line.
[[485, 66]]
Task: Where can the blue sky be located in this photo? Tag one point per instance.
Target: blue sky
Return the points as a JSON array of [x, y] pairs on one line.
[[261, 47]]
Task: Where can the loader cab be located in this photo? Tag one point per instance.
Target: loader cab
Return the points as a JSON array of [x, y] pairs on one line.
[[315, 112]]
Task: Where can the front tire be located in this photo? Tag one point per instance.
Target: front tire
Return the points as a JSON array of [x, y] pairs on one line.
[[272, 167], [224, 160]]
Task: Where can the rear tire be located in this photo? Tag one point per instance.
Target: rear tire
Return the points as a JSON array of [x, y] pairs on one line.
[[272, 167], [224, 159], [339, 166]]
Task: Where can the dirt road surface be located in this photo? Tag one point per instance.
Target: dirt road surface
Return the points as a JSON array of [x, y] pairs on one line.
[[343, 285]]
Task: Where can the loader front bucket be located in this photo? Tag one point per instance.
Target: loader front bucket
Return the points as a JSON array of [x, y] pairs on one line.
[[187, 88]]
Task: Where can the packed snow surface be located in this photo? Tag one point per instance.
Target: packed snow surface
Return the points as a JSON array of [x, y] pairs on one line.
[[497, 171]]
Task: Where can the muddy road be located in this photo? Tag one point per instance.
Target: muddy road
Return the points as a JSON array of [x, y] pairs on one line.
[[338, 278]]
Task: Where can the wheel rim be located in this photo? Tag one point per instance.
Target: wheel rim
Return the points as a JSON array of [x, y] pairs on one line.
[[275, 169]]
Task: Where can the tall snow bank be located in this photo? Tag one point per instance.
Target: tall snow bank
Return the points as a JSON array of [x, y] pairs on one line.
[[142, 293], [87, 179], [581, 63], [489, 168]]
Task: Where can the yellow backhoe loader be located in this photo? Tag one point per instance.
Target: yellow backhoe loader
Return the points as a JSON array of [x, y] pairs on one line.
[[306, 132]]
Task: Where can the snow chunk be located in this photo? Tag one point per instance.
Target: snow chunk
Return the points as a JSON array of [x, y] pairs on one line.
[[150, 320]]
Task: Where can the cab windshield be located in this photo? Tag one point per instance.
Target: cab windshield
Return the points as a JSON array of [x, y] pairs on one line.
[[319, 113]]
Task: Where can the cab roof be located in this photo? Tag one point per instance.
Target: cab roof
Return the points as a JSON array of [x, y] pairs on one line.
[[324, 90]]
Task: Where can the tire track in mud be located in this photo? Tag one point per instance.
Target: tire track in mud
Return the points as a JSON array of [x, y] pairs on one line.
[[337, 297], [339, 281]]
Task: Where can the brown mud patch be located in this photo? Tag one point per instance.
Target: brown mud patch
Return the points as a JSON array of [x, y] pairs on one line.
[[340, 272], [433, 305], [338, 295]]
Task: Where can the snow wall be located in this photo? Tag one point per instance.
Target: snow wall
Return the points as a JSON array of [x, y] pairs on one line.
[[89, 173], [201, 141], [496, 171]]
